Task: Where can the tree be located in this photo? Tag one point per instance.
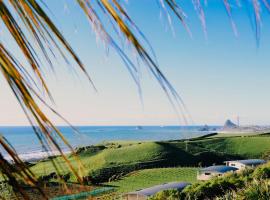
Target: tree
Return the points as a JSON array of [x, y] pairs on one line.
[[36, 32]]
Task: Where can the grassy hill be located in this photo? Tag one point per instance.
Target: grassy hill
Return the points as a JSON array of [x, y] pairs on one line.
[[113, 160], [247, 147]]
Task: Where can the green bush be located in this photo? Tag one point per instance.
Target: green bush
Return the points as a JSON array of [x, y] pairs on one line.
[[266, 155], [89, 150], [262, 172], [6, 191], [255, 190], [213, 188]]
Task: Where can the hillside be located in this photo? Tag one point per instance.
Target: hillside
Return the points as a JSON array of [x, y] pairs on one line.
[[114, 160], [246, 147]]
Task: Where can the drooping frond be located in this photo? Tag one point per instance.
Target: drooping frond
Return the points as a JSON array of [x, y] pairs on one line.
[[39, 40]]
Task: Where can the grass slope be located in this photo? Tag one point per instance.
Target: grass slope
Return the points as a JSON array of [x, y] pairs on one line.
[[150, 177], [246, 147], [120, 158], [112, 156]]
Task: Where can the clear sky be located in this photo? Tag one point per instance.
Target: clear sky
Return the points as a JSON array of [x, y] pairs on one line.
[[220, 77]]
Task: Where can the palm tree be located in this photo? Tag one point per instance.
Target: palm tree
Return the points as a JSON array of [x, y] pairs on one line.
[[36, 32]]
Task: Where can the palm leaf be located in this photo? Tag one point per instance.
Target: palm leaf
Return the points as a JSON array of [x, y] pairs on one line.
[[35, 28]]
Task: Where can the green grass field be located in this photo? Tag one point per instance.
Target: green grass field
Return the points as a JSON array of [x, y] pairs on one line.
[[150, 177], [120, 158], [247, 147], [112, 156]]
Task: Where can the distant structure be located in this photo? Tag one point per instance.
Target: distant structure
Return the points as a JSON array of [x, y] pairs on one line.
[[231, 127], [242, 164], [207, 173], [145, 193]]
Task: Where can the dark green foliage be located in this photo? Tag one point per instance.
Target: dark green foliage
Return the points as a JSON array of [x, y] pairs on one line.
[[254, 190], [47, 178], [6, 191], [213, 188], [89, 150], [53, 177], [262, 172], [266, 155], [65, 177], [259, 190]]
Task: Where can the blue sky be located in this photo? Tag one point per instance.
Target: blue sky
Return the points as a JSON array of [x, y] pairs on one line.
[[220, 77]]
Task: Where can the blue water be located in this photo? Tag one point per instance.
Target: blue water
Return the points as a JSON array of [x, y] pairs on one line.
[[27, 145]]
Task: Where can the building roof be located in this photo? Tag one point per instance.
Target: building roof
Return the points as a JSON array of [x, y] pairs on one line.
[[249, 161], [166, 186], [218, 168]]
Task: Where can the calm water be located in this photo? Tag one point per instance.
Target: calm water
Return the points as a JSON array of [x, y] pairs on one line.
[[27, 145]]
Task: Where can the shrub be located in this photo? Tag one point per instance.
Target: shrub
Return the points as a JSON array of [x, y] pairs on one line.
[[6, 191], [266, 155], [214, 188], [262, 172], [257, 189], [89, 149]]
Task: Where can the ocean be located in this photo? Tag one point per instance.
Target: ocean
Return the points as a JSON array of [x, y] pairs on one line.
[[25, 142]]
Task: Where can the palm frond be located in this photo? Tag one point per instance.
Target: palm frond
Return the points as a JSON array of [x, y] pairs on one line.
[[35, 28]]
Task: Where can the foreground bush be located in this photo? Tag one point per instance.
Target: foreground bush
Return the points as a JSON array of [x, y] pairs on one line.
[[213, 188], [6, 191], [256, 190], [262, 172], [249, 184]]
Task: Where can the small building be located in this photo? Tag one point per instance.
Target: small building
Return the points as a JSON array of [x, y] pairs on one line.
[[145, 193], [214, 171], [242, 164]]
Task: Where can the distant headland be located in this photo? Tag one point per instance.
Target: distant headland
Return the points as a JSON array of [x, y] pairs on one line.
[[231, 127]]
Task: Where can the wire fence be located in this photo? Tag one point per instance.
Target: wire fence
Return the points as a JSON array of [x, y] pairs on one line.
[[84, 195]]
